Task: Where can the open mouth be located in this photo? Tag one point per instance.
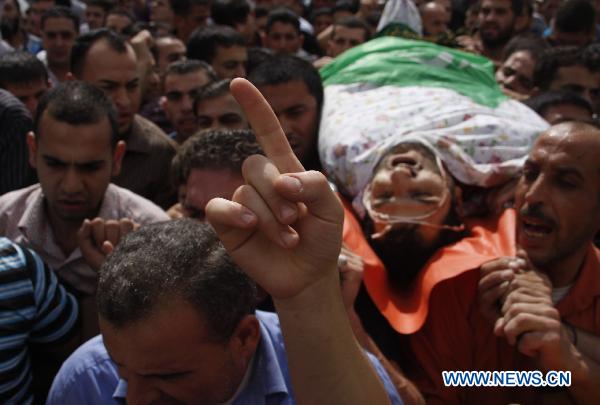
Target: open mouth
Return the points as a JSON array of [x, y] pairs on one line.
[[535, 228]]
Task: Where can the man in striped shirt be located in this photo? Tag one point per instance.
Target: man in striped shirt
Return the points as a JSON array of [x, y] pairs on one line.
[[35, 312]]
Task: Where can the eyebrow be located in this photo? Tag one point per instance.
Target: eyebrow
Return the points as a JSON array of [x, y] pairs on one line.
[[78, 164], [570, 171]]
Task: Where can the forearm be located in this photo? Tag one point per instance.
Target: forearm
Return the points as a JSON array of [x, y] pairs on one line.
[[408, 391], [585, 372], [327, 364]]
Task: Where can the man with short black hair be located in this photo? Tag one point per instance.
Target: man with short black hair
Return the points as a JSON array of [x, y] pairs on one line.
[[497, 20], [515, 74], [293, 88], [209, 165], [189, 15], [561, 106], [221, 47], [574, 24], [105, 60], [76, 150], [25, 76], [216, 108], [183, 81], [117, 19], [566, 68], [347, 34], [283, 34], [96, 13], [59, 27], [236, 14], [166, 50]]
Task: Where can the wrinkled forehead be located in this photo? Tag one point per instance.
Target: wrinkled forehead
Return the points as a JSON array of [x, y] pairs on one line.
[[569, 143]]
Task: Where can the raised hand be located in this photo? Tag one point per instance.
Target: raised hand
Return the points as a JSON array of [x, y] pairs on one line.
[[284, 227], [98, 237]]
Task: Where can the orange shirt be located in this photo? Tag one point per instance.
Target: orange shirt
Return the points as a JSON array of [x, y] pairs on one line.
[[456, 337]]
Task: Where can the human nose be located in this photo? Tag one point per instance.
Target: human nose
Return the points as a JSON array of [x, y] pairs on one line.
[[121, 98], [535, 192], [71, 182], [240, 71]]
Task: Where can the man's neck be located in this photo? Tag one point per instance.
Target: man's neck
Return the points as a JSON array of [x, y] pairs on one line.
[[565, 272], [59, 71]]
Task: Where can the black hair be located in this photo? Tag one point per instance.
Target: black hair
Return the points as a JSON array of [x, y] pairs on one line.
[[182, 259], [20, 67], [84, 43], [345, 5], [212, 90], [105, 5], [544, 101], [575, 16], [535, 46], [183, 67], [77, 103], [203, 43], [184, 7], [285, 16], [319, 12], [282, 69], [517, 7], [60, 12], [214, 149], [256, 56], [229, 12], [353, 23], [553, 59], [261, 11], [591, 57]]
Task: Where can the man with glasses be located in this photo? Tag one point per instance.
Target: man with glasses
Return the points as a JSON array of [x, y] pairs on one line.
[[183, 81]]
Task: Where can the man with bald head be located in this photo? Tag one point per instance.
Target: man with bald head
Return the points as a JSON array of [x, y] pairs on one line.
[[533, 304]]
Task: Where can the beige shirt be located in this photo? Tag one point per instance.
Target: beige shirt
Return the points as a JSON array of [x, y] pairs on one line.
[[23, 219]]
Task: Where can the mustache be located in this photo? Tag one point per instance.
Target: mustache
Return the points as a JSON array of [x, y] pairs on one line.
[[535, 212]]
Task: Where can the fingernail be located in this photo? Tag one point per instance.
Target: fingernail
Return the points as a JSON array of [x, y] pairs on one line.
[[287, 212], [288, 238], [292, 183], [247, 217], [521, 262]]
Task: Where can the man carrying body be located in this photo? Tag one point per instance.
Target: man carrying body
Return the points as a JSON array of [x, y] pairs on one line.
[[75, 149], [103, 59], [533, 309]]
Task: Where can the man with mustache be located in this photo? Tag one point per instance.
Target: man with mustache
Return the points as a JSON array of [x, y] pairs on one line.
[[534, 303]]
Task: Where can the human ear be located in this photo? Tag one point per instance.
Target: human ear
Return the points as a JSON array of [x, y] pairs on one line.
[[32, 148], [245, 339], [118, 154]]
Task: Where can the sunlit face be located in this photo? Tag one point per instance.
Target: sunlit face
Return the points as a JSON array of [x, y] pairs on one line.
[[28, 93], [516, 73], [558, 195], [221, 112], [58, 37], [230, 62], [178, 101], [344, 38], [284, 38], [203, 185], [408, 183], [298, 115], [496, 22], [170, 357], [95, 16], [169, 50], [74, 164], [116, 74]]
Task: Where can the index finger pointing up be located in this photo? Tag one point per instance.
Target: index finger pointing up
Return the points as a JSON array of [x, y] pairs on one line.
[[266, 127]]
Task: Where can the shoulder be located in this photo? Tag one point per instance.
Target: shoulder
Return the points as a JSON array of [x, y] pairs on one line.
[[86, 375], [19, 197], [152, 133], [134, 206]]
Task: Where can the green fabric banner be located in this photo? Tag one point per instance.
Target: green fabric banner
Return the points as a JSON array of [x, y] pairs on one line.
[[404, 62]]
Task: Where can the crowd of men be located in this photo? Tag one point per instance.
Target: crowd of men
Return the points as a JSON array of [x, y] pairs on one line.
[[167, 233]]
